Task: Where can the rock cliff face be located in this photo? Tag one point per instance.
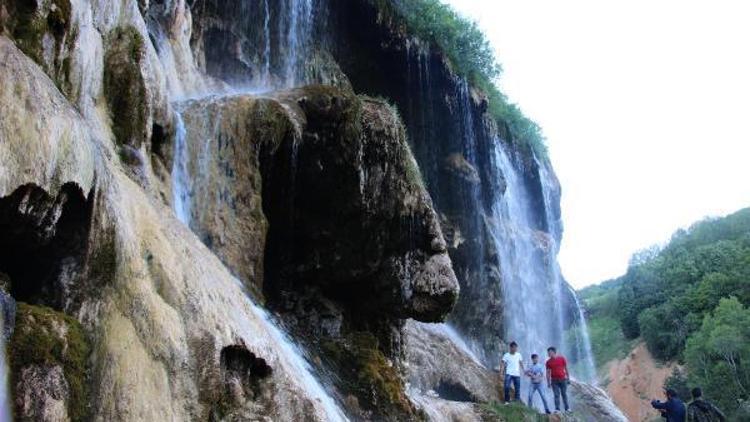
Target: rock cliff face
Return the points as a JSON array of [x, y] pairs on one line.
[[169, 165], [454, 141]]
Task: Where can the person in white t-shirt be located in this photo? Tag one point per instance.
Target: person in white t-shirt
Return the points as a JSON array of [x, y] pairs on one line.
[[512, 367]]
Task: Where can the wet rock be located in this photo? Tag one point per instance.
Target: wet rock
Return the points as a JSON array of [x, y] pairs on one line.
[[7, 311], [153, 288], [42, 394], [125, 86], [39, 122], [362, 223], [458, 165], [438, 364], [592, 404], [46, 31]]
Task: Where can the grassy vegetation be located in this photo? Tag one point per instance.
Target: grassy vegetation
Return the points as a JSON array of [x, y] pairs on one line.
[[513, 412], [471, 56]]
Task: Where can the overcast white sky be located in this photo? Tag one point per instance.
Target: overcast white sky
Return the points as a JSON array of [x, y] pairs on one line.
[[645, 107]]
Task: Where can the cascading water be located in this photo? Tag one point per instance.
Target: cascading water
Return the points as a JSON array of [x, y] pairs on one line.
[[301, 367], [526, 253], [5, 413], [192, 157], [181, 181], [532, 299], [579, 344], [296, 29], [7, 314], [582, 343], [266, 74]]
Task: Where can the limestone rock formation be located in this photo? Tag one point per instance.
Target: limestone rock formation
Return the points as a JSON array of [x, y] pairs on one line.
[[325, 216], [168, 166]]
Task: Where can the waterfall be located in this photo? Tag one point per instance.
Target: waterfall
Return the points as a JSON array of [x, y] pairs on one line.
[[525, 252], [581, 343], [181, 180], [7, 316], [298, 31], [5, 413], [534, 288], [266, 43], [191, 173], [300, 366], [530, 289]]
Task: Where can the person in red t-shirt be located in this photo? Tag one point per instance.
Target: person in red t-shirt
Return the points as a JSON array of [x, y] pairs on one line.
[[558, 377]]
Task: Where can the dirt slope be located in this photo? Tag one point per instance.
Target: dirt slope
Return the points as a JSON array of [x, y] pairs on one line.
[[635, 381]]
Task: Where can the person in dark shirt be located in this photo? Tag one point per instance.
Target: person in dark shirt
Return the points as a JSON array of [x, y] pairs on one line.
[[673, 409], [700, 410]]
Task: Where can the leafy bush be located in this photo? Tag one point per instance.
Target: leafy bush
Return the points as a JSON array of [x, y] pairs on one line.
[[471, 56]]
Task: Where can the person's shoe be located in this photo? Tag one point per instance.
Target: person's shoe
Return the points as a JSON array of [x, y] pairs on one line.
[[548, 412], [506, 403]]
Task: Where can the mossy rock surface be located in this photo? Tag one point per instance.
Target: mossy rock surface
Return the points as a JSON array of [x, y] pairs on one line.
[[46, 338], [125, 86], [371, 377], [29, 22]]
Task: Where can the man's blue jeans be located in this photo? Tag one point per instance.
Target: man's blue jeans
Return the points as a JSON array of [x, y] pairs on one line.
[[560, 388], [516, 385], [540, 388]]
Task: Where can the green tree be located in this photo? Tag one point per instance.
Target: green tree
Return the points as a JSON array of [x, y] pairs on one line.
[[718, 355], [678, 382]]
